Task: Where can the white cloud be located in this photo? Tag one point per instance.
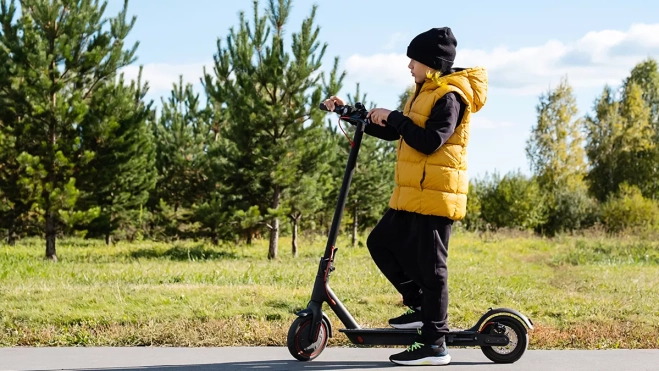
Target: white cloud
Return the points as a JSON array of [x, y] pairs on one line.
[[386, 68], [598, 58], [161, 76]]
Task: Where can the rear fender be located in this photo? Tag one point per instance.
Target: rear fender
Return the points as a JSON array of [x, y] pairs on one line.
[[505, 311]]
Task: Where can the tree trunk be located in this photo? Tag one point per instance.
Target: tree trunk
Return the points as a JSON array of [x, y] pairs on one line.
[[296, 222], [215, 240], [354, 225], [51, 253], [108, 239], [50, 237], [274, 230], [11, 236], [249, 237]]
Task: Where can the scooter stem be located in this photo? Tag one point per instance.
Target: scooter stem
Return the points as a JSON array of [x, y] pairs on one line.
[[343, 193], [321, 290]]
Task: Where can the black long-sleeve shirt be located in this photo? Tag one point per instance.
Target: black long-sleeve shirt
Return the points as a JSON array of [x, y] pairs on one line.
[[444, 117]]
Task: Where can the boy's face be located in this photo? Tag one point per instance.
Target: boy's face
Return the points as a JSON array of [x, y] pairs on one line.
[[419, 70]]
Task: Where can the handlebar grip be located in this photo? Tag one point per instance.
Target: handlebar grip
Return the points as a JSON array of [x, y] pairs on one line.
[[337, 109]]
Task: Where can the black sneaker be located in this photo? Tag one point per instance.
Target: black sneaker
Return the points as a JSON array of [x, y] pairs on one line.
[[419, 354], [410, 319]]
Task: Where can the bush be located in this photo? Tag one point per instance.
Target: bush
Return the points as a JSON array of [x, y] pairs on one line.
[[569, 210], [513, 201], [473, 220], [628, 211]]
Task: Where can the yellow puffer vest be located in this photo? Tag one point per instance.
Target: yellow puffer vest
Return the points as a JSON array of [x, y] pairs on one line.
[[437, 184]]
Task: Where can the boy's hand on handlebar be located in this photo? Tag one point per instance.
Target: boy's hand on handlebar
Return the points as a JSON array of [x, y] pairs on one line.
[[332, 102], [378, 116]]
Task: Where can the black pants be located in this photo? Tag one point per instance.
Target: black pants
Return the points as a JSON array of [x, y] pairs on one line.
[[411, 251]]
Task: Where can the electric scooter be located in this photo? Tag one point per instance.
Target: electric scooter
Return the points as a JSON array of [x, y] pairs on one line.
[[501, 333]]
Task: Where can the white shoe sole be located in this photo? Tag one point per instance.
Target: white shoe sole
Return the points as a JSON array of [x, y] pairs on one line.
[[428, 361], [411, 325]]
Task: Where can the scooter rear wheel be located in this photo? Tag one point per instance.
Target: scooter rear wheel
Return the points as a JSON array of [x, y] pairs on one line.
[[517, 335], [299, 342]]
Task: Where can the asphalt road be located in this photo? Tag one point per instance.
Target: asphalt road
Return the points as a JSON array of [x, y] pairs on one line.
[[276, 358]]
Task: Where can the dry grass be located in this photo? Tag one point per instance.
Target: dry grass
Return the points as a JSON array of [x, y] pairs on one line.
[[255, 332]]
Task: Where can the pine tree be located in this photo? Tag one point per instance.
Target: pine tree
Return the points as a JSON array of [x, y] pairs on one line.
[[270, 94], [305, 197], [14, 195], [11, 205], [184, 136], [122, 173], [216, 214], [59, 53], [216, 220]]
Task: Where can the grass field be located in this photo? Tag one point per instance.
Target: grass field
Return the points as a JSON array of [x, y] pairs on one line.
[[581, 292]]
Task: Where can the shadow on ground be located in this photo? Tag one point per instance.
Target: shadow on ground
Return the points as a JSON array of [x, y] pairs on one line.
[[181, 253], [271, 365]]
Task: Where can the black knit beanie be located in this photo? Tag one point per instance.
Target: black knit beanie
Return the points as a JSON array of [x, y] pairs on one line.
[[435, 48]]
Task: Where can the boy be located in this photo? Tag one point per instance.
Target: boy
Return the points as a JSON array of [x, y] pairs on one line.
[[410, 243]]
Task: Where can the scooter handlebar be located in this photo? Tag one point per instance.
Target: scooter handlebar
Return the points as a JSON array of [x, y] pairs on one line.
[[359, 110], [341, 110]]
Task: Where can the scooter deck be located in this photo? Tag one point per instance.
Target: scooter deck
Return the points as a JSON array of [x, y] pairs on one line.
[[391, 336], [380, 336]]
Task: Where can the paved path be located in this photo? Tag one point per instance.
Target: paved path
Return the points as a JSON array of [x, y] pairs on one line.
[[276, 358]]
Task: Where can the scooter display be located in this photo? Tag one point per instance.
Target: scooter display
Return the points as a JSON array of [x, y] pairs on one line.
[[501, 333]]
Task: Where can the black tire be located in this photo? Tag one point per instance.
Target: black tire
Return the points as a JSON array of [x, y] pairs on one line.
[[519, 340], [298, 339]]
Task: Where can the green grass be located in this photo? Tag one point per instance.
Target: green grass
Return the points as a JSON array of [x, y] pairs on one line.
[[580, 292]]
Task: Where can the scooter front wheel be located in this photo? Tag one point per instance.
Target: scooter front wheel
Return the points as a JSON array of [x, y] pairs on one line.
[[516, 333], [299, 343]]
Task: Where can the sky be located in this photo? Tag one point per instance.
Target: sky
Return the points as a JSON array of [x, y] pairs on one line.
[[526, 49]]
